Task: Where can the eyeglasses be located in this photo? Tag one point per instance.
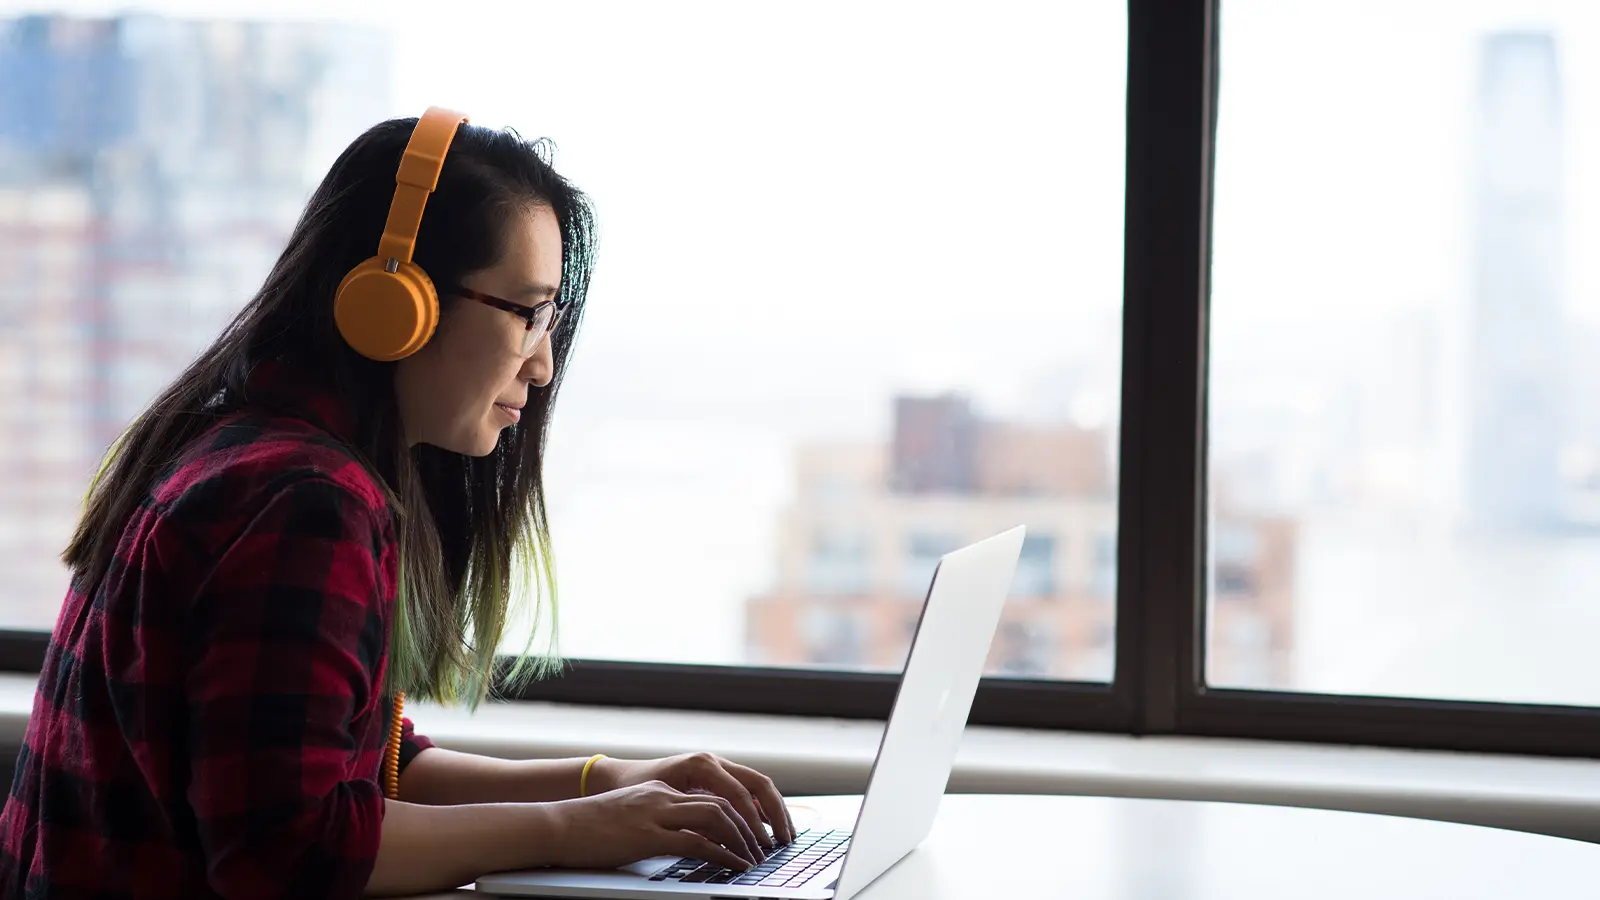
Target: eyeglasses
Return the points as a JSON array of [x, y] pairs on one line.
[[541, 318]]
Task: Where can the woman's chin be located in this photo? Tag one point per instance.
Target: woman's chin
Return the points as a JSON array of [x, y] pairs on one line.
[[485, 443], [480, 442]]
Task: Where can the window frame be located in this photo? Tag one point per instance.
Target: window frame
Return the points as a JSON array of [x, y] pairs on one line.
[[1159, 685]]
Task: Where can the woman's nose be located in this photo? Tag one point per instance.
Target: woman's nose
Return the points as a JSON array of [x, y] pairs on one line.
[[539, 368]]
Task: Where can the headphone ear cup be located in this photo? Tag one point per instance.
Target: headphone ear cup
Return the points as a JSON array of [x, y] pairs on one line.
[[386, 316]]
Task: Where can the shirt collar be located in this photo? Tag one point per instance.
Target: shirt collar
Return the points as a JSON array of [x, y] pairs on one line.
[[278, 386]]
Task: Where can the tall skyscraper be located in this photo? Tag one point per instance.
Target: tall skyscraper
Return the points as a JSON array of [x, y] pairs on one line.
[[1514, 359], [150, 171]]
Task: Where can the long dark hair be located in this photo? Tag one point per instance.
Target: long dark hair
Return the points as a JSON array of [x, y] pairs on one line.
[[469, 529]]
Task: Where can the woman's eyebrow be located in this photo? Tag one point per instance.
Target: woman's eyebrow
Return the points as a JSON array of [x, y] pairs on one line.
[[536, 289]]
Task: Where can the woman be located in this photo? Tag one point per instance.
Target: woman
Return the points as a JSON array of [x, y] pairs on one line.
[[321, 515]]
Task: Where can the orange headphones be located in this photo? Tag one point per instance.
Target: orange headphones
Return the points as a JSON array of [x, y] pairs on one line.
[[387, 307]]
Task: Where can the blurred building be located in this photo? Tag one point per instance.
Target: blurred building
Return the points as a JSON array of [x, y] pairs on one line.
[[858, 547], [150, 172], [1515, 367]]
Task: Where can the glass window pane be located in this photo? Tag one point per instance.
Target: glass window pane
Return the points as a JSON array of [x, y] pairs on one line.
[[857, 301], [1404, 442]]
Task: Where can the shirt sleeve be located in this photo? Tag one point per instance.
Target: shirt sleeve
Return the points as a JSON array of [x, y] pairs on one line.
[[411, 743], [287, 630]]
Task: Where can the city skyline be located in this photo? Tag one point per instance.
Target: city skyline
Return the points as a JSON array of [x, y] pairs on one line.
[[153, 169], [858, 544]]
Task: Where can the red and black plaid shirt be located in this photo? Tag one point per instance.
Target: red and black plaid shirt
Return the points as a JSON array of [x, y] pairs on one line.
[[209, 719]]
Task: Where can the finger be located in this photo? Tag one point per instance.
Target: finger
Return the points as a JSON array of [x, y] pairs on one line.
[[766, 794], [712, 819], [719, 778], [747, 838], [694, 846], [757, 846], [751, 843]]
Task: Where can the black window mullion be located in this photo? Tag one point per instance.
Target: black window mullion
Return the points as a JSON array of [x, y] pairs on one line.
[[1161, 477], [22, 651], [1414, 723]]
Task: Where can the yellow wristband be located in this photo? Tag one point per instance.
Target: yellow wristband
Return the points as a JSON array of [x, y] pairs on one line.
[[583, 780]]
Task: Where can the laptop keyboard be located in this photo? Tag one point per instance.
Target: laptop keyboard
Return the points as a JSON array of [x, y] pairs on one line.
[[788, 865]]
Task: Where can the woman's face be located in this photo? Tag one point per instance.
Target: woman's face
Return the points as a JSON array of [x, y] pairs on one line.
[[470, 381]]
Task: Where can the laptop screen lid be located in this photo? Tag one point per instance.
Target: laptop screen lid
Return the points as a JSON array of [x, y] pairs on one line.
[[918, 748]]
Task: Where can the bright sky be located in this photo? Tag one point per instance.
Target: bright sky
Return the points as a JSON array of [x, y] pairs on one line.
[[827, 171], [1345, 137]]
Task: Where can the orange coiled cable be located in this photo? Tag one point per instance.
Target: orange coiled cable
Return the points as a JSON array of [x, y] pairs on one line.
[[391, 752]]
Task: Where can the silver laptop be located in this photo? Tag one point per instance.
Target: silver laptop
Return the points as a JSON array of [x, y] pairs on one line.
[[959, 617]]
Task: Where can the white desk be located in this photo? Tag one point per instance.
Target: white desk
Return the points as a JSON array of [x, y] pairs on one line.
[[1093, 848]]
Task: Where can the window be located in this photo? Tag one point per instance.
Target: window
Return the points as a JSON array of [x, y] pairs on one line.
[[1403, 428], [1320, 506], [1103, 585], [842, 357], [921, 557], [852, 385], [836, 636], [1238, 560], [1036, 567], [1025, 648], [840, 563]]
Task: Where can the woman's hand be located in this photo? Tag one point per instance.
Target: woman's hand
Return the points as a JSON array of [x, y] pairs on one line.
[[752, 795], [627, 824]]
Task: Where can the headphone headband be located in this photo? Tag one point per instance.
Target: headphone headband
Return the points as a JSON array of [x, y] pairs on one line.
[[416, 178], [386, 308]]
